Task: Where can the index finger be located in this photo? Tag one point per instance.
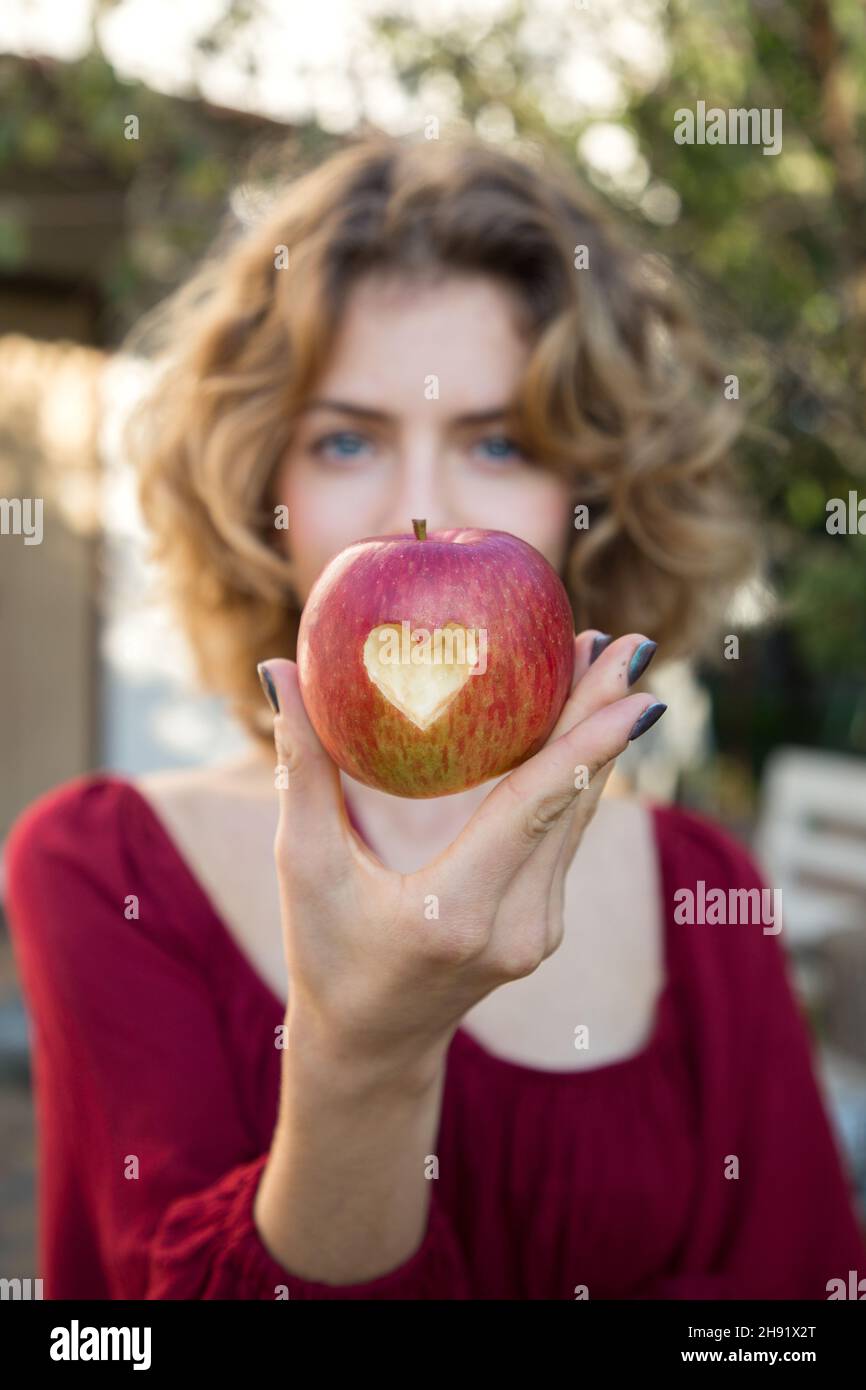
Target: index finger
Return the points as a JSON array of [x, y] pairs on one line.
[[522, 809]]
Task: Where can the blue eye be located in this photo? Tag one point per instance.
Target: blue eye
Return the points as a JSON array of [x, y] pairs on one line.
[[347, 444], [507, 447], [340, 435]]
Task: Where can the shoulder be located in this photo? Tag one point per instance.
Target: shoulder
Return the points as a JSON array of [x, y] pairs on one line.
[[685, 843], [77, 816], [716, 899], [723, 922], [63, 886], [67, 854], [95, 817], [691, 844], [177, 783], [81, 858]]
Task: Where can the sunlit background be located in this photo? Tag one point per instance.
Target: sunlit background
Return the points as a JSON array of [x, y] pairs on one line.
[[96, 227]]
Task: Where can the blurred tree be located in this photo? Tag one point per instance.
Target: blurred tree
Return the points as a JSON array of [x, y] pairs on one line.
[[782, 241], [79, 132]]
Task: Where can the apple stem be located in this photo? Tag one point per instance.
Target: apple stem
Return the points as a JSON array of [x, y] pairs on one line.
[[420, 529]]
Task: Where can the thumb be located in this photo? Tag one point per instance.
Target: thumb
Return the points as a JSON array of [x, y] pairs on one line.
[[307, 781]]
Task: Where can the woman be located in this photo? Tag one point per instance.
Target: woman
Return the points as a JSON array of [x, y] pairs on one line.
[[261, 1071]]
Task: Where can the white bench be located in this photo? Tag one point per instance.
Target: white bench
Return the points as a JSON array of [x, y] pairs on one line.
[[811, 841]]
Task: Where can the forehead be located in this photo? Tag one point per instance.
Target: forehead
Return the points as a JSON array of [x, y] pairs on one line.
[[397, 334]]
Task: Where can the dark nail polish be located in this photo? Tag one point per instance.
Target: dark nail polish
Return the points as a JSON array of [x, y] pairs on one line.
[[641, 658], [599, 643], [647, 719], [269, 688]]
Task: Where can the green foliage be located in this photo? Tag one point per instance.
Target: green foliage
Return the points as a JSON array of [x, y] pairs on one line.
[[781, 241], [828, 592], [67, 127]]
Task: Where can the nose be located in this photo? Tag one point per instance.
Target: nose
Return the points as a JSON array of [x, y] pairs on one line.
[[421, 487]]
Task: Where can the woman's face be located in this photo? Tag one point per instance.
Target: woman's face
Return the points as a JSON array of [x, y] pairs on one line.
[[407, 421]]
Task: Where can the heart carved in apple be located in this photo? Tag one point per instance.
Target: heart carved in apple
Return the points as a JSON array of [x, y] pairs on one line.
[[430, 664], [420, 690]]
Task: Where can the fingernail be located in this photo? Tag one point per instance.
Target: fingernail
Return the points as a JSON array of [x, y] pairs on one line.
[[599, 643], [268, 687], [651, 714], [641, 658]]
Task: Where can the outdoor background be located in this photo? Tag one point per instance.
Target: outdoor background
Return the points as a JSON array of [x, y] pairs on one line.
[[96, 226]]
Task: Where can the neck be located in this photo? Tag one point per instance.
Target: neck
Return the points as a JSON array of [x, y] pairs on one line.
[[425, 826], [404, 833]]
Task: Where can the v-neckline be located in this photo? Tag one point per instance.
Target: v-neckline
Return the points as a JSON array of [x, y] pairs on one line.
[[664, 1002]]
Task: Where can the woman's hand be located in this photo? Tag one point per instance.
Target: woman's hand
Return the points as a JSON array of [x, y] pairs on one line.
[[384, 965]]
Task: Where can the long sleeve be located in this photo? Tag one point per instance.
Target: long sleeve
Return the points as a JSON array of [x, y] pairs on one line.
[[207, 1246], [774, 1215], [147, 1161]]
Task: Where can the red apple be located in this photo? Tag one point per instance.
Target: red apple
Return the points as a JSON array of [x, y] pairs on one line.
[[429, 664]]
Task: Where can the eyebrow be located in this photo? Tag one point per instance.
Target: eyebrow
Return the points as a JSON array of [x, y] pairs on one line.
[[473, 417]]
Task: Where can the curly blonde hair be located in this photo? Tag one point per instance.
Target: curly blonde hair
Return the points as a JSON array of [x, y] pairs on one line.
[[621, 394]]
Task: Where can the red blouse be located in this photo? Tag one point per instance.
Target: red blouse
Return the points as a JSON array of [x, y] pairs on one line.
[[157, 1079]]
